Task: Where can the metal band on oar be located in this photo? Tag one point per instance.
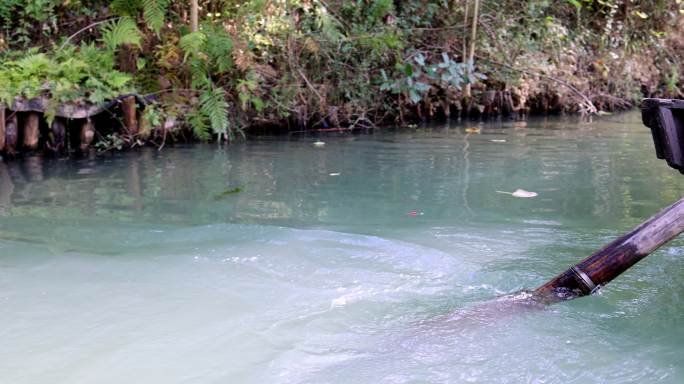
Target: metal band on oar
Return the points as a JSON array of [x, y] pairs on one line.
[[588, 284]]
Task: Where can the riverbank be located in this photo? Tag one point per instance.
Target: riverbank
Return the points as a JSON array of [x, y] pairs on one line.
[[308, 65]]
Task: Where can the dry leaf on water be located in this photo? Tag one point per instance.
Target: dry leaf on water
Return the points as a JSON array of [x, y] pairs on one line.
[[520, 193]]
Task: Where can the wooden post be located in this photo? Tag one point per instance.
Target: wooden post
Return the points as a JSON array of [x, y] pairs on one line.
[[87, 135], [616, 257], [130, 115], [31, 131], [2, 127], [58, 133], [11, 134]]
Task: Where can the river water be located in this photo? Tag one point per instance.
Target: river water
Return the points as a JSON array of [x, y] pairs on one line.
[[362, 261]]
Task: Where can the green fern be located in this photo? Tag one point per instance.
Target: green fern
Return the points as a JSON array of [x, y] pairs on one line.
[[125, 7], [199, 75], [94, 56], [214, 106], [198, 123], [219, 48], [193, 44], [119, 32], [154, 12], [69, 75]]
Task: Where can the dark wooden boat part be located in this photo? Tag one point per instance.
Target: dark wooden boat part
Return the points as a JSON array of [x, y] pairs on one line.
[[665, 118], [609, 262]]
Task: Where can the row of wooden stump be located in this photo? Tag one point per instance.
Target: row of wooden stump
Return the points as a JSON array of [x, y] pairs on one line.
[[23, 131]]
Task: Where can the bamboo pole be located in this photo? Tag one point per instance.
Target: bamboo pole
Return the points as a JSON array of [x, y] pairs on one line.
[[87, 134], [31, 131], [11, 134], [471, 50], [616, 257], [58, 129], [465, 31], [129, 106]]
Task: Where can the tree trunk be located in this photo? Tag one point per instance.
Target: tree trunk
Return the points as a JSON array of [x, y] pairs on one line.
[[194, 15], [616, 257]]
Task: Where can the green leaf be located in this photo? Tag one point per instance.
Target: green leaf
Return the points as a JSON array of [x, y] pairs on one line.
[[119, 32], [198, 123], [193, 44], [154, 12], [420, 59], [258, 103], [215, 107], [421, 87], [219, 48], [576, 3], [125, 7], [408, 69], [414, 96]]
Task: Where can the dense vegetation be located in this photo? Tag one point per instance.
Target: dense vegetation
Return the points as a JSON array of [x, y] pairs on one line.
[[353, 63]]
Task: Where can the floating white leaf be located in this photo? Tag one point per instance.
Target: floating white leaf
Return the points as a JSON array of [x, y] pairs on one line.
[[520, 193]]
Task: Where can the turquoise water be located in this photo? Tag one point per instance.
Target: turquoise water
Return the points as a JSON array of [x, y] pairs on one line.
[[366, 260]]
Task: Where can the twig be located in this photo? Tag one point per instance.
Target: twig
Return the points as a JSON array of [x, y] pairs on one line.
[[334, 15], [86, 28], [310, 85], [590, 106], [163, 141], [340, 129]]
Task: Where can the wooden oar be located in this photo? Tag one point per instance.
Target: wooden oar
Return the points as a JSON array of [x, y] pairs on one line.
[[613, 259], [585, 277]]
